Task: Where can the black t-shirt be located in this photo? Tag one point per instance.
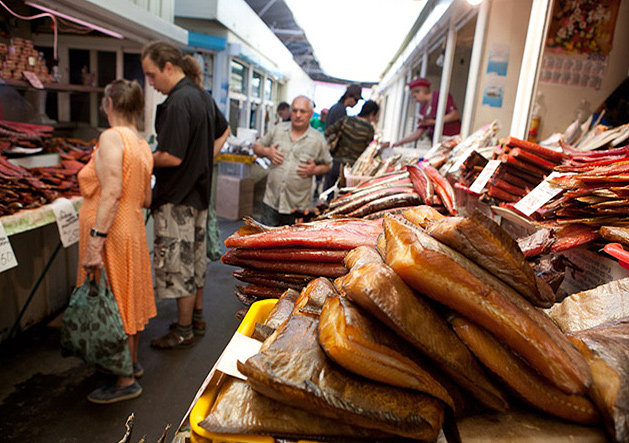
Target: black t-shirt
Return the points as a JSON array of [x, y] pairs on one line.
[[187, 124]]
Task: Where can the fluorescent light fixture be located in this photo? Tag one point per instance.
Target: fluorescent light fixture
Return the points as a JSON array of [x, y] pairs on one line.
[[475, 2], [76, 20]]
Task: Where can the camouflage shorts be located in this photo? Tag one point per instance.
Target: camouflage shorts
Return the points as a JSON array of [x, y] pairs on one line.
[[179, 258]]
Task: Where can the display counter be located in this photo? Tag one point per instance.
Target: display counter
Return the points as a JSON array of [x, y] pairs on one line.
[[516, 425]]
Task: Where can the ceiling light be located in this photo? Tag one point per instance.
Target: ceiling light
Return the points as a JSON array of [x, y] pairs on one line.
[[475, 2], [76, 20]]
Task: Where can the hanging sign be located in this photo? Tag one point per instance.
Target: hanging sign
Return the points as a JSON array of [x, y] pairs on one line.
[[7, 256], [67, 221]]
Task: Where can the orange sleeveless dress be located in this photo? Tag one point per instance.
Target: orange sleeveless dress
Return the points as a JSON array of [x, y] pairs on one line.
[[126, 254]]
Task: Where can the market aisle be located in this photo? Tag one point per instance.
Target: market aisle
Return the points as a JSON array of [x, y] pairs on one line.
[[43, 395]]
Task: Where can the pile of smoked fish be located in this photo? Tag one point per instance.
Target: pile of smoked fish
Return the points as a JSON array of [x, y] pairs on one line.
[[22, 188], [288, 257], [393, 193], [438, 318]]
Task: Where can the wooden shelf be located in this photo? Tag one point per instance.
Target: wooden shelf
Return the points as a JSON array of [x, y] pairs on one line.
[[59, 87]]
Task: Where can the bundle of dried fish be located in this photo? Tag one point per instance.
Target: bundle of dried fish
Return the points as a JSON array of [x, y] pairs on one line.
[[444, 275], [274, 259]]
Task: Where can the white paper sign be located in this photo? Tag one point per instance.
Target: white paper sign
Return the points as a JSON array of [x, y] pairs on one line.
[[539, 196], [7, 257], [240, 347], [67, 221], [484, 176]]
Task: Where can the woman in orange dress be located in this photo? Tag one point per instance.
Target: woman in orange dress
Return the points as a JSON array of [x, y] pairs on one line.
[[115, 185]]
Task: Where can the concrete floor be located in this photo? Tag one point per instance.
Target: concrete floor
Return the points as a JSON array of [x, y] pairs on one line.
[[43, 395]]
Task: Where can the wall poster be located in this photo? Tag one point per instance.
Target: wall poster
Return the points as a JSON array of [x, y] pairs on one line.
[[497, 65], [579, 41]]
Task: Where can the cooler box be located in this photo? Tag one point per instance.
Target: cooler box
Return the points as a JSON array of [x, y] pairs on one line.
[[234, 197]]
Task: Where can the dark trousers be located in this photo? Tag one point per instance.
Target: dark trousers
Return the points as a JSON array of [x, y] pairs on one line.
[[272, 217], [332, 175]]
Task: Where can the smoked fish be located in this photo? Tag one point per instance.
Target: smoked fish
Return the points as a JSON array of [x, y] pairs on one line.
[[484, 242], [293, 369], [313, 268], [423, 215], [377, 289], [361, 256], [238, 409], [520, 378], [367, 347], [446, 276]]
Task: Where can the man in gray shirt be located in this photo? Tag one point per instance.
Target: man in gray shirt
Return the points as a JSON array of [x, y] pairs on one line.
[[297, 152]]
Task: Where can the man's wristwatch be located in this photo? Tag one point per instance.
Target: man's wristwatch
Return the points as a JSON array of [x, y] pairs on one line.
[[95, 233]]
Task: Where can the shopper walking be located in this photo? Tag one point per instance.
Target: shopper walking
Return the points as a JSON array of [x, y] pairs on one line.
[[115, 185], [353, 135], [297, 152], [186, 125], [351, 97]]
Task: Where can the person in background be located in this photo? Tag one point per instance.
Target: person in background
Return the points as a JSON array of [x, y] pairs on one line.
[[353, 94], [420, 90], [297, 152], [186, 124], [214, 242], [116, 185], [283, 111], [318, 122], [355, 134]]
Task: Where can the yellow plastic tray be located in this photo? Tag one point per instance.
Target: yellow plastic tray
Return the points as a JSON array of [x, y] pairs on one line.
[[258, 312], [235, 158]]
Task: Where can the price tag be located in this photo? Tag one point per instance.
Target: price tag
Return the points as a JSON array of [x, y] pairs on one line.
[[240, 347], [539, 196], [67, 221], [33, 80], [484, 176], [7, 256]]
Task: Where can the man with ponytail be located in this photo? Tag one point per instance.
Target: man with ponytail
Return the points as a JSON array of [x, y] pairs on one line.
[[186, 124]]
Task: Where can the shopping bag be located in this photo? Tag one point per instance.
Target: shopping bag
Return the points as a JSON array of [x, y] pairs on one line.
[[92, 329]]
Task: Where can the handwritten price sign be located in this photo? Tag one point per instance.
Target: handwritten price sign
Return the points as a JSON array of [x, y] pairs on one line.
[[67, 221], [7, 257]]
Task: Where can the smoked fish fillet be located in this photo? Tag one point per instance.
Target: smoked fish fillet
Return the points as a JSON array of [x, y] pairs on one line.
[[293, 369], [367, 347], [380, 291], [238, 409], [606, 349], [313, 296], [444, 275], [342, 233], [521, 378], [484, 242], [362, 255], [315, 268], [423, 215]]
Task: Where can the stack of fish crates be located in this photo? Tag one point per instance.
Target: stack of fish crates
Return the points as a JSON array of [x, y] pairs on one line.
[[234, 186]]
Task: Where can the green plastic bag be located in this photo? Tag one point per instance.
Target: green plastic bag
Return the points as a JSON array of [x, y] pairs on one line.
[[92, 329]]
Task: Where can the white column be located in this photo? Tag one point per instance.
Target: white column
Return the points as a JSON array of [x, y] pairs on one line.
[[531, 61], [446, 74], [475, 68]]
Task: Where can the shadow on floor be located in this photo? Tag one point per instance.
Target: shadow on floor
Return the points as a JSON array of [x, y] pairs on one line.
[[43, 395]]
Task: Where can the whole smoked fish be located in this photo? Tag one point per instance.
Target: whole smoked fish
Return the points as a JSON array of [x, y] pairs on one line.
[[485, 243], [521, 378], [366, 347], [380, 291], [444, 275], [361, 256]]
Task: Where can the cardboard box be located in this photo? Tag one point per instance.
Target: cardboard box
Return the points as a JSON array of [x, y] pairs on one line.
[[234, 197]]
